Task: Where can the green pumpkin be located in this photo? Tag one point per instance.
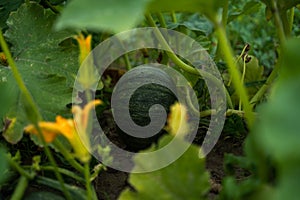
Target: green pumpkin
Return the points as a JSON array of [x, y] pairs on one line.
[[140, 103]]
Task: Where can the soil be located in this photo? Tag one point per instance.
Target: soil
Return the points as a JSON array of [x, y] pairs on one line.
[[109, 184], [215, 161]]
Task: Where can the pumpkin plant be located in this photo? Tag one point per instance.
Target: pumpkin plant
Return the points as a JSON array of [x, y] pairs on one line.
[[45, 42]]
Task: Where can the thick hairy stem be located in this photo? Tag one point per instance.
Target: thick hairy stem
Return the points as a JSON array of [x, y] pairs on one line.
[[234, 72], [185, 66]]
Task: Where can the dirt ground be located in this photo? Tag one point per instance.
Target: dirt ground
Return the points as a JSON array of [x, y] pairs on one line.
[[110, 183]]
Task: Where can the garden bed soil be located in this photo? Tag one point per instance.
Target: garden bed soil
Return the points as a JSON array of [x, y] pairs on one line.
[[110, 183]]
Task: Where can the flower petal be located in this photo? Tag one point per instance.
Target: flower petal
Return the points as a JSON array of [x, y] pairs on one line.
[[177, 120], [84, 46], [49, 130]]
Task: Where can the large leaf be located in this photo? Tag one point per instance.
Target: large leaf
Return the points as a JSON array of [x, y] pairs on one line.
[[36, 46], [279, 126], [102, 15], [50, 93], [209, 8], [120, 15], [278, 131], [47, 67], [186, 178]]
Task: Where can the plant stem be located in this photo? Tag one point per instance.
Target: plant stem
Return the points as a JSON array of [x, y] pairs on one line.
[[225, 13], [229, 112], [183, 65], [20, 170], [70, 158], [243, 80], [31, 108], [238, 59], [65, 172], [173, 16], [127, 62], [87, 181], [170, 53], [291, 19], [96, 172], [20, 189], [161, 20], [125, 56], [224, 23], [53, 163], [87, 174], [278, 23], [234, 72], [285, 22]]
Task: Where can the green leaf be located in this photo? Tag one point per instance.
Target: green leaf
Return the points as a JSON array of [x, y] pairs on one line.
[[43, 196], [120, 15], [278, 130], [253, 75], [6, 6], [254, 72], [36, 46], [209, 8], [8, 92], [50, 93], [279, 127], [290, 62], [186, 178], [102, 15], [288, 186], [247, 189], [47, 64], [248, 9], [194, 22], [194, 25]]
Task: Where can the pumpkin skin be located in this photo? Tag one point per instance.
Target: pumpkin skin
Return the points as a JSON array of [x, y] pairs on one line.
[[140, 102]]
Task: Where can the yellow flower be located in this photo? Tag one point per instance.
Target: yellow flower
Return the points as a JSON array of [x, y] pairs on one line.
[[84, 46], [177, 120], [87, 75], [68, 130], [75, 131], [49, 130]]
